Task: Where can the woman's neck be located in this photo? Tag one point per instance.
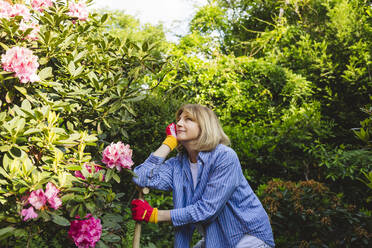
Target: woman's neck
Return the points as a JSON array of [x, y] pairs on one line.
[[192, 152]]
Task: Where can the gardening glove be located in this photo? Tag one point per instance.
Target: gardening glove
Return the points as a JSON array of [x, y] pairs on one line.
[[171, 139], [141, 210]]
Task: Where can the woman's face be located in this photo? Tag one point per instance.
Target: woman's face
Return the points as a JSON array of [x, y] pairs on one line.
[[187, 128]]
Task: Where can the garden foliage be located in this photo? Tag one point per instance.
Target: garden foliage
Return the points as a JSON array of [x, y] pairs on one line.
[[286, 78]]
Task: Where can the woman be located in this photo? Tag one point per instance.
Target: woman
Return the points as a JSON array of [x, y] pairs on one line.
[[210, 192]]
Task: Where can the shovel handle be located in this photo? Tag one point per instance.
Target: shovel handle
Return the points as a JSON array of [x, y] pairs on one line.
[[137, 228]]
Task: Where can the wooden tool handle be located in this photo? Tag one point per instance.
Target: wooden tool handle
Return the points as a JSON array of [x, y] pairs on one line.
[[137, 228]]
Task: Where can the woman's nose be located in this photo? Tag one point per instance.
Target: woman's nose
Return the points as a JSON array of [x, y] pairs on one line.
[[180, 122]]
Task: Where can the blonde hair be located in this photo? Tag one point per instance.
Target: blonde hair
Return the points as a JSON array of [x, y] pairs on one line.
[[211, 132]]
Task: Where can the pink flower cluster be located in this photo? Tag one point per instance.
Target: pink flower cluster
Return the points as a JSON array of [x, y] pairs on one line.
[[118, 155], [85, 233], [41, 5], [35, 29], [21, 61], [5, 9], [21, 10], [78, 10], [89, 168], [39, 198]]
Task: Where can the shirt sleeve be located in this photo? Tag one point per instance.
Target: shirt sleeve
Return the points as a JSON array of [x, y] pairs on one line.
[[155, 173], [220, 187]]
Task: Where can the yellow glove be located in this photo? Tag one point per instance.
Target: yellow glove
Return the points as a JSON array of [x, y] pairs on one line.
[[154, 216], [171, 139]]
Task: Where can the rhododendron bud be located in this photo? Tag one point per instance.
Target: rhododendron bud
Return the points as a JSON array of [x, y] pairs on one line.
[[51, 193], [41, 5], [85, 233], [78, 10], [21, 61], [37, 198], [5, 9], [28, 213], [35, 29], [118, 155], [21, 10]]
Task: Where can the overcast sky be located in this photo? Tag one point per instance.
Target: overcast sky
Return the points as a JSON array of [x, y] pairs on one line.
[[174, 14]]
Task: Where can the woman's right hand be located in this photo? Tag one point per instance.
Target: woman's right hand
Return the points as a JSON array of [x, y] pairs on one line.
[[171, 130], [171, 139]]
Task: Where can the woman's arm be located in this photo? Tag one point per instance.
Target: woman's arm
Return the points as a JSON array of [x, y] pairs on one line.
[[162, 151], [154, 173], [164, 216]]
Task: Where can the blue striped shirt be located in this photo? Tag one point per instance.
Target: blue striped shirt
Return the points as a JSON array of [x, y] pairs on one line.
[[223, 203]]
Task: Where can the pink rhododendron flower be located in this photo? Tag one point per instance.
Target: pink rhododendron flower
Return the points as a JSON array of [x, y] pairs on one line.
[[35, 29], [21, 61], [55, 202], [37, 198], [21, 10], [51, 193], [118, 155], [85, 233], [5, 9], [78, 10], [28, 213], [41, 5], [89, 168]]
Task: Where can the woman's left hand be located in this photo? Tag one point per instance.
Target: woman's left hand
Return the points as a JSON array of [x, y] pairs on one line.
[[141, 210]]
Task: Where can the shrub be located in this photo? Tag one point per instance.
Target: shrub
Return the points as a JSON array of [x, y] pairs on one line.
[[308, 214], [66, 91]]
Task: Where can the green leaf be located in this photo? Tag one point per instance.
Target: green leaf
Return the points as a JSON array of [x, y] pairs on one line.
[[74, 167], [45, 73], [43, 61], [21, 89], [44, 215], [104, 18], [3, 182], [6, 48], [111, 238], [81, 211], [3, 116], [109, 175], [71, 68], [101, 244], [26, 105], [32, 131], [136, 99], [92, 75], [90, 206], [67, 197], [104, 102], [80, 55], [78, 71], [59, 220], [130, 110], [6, 232], [116, 177]]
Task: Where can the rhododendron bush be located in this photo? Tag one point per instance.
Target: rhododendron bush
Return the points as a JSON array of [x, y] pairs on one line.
[[65, 96]]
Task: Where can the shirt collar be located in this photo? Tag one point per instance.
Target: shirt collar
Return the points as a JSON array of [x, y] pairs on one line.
[[205, 156]]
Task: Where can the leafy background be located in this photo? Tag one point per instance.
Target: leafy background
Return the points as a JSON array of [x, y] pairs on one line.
[[289, 80]]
